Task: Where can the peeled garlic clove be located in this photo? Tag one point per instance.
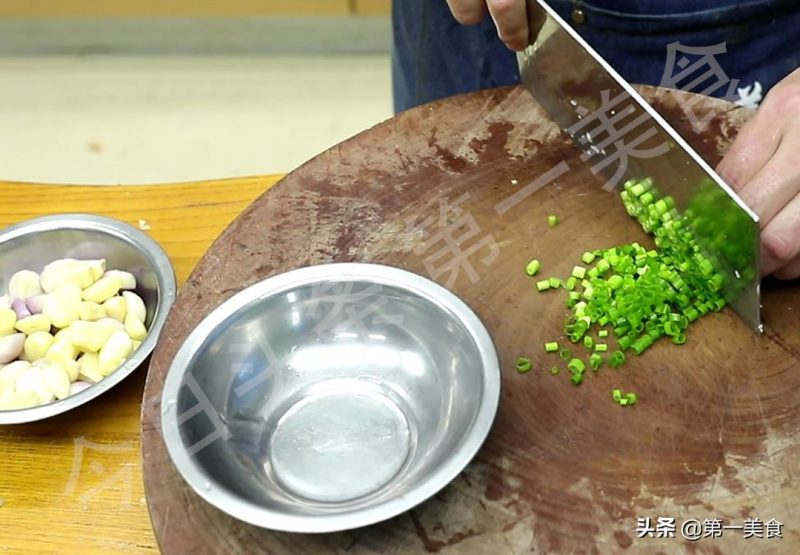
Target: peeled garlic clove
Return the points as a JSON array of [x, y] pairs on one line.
[[37, 345], [102, 289], [136, 345], [63, 335], [60, 312], [111, 323], [54, 274], [34, 323], [19, 306], [55, 379], [135, 327], [24, 284], [97, 267], [36, 303], [8, 318], [5, 302], [116, 307], [61, 352], [11, 347], [127, 279], [79, 274], [70, 293], [88, 365], [116, 350], [30, 381], [9, 372], [91, 311], [135, 305], [89, 336], [77, 387], [19, 401]]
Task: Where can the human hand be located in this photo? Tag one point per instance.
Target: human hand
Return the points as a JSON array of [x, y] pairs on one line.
[[510, 17], [763, 166]]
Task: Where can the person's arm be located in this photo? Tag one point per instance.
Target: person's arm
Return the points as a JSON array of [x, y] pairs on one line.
[[763, 165], [510, 18]]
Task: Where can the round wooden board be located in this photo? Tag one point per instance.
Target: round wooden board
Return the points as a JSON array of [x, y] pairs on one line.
[[565, 469]]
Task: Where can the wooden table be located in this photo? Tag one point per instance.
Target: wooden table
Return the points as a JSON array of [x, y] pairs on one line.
[[73, 484]]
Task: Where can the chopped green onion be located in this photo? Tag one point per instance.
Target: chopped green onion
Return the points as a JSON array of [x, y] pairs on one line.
[[576, 365], [533, 267], [565, 354], [555, 283], [571, 282], [602, 333], [554, 370], [588, 342], [631, 398], [588, 257], [523, 365], [617, 359], [576, 378], [543, 285], [616, 394], [579, 272], [552, 220], [601, 348], [551, 347], [595, 361]]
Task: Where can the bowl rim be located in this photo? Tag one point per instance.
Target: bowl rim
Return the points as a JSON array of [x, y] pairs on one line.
[[252, 513], [165, 274]]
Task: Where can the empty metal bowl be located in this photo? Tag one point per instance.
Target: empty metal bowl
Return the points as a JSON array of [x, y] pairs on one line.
[[330, 397], [34, 243]]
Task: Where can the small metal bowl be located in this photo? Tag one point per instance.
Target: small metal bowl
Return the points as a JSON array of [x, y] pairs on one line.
[[34, 243], [330, 397]]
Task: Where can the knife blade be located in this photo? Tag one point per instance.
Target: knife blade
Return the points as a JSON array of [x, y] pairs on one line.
[[623, 137]]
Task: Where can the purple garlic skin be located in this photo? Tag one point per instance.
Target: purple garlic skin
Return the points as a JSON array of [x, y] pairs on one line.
[[35, 303], [20, 308]]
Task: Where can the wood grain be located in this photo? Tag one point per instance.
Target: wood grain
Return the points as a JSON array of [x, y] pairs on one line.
[[73, 484], [565, 469]]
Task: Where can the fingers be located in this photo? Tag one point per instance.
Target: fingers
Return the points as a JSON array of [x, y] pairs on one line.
[[790, 271], [467, 12], [780, 240], [511, 19], [777, 183], [758, 140]]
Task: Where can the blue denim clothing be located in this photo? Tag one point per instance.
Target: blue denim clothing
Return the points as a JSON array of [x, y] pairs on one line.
[[435, 57]]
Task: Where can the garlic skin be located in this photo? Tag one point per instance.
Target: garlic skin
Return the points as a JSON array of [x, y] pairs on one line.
[[78, 386], [24, 284], [21, 309]]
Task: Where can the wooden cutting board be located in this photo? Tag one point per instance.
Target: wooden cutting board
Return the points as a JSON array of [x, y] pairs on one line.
[[565, 469]]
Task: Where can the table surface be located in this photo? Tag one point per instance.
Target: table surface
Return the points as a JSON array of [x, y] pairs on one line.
[[73, 484]]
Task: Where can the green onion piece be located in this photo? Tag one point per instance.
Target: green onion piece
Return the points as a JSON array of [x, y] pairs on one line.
[[552, 220], [543, 285], [679, 339], [623, 401], [588, 257], [523, 365], [631, 398], [616, 394], [588, 342], [602, 333], [533, 267], [576, 365], [571, 282], [576, 378], [551, 346], [579, 272], [601, 348], [595, 361], [617, 359], [555, 283], [554, 370], [565, 354]]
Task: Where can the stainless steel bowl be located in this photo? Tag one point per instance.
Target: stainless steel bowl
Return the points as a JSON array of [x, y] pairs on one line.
[[330, 397], [34, 243]]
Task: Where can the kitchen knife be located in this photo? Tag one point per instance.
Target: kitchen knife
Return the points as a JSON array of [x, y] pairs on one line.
[[624, 138]]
